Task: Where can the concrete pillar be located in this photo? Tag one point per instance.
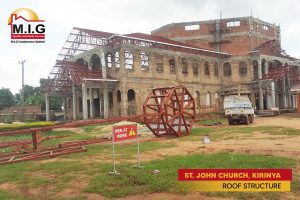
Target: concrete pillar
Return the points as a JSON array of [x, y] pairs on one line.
[[269, 100], [266, 68], [259, 70], [261, 96], [105, 102], [47, 107], [253, 99], [92, 108], [84, 102], [100, 104], [103, 64], [124, 103], [74, 101], [284, 95], [65, 104], [273, 94]]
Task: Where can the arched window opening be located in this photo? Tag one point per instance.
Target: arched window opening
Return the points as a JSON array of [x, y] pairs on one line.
[[117, 60], [144, 61], [111, 100], [128, 60], [95, 62], [184, 65], [172, 65], [243, 68], [195, 68], [227, 69], [119, 98], [216, 69], [108, 60], [159, 63], [131, 95], [255, 69], [206, 69]]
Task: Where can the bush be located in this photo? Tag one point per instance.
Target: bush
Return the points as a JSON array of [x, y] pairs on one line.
[[24, 126], [7, 119]]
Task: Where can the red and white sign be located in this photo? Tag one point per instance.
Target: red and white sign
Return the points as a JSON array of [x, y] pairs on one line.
[[125, 132]]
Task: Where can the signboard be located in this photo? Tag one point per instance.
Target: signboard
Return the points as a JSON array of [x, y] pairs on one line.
[[124, 132]]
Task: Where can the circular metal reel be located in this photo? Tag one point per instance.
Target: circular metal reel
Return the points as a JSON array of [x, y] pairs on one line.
[[169, 111]]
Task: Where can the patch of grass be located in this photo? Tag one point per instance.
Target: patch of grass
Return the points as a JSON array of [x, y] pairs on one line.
[[233, 132], [39, 182], [59, 167], [136, 181], [89, 128], [5, 195]]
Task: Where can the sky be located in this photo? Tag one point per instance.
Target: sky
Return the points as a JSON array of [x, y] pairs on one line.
[[124, 16]]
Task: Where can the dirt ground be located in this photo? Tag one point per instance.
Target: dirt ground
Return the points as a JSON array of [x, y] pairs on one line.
[[256, 143]]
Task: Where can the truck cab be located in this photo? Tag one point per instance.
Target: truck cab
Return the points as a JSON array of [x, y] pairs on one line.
[[238, 109]]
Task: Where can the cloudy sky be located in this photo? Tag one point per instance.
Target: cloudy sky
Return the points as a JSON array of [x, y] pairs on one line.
[[124, 16]]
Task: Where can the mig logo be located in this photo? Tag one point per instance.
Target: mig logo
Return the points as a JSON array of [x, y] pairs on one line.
[[26, 27]]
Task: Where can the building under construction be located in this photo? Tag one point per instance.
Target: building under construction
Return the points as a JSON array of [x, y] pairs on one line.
[[101, 74]]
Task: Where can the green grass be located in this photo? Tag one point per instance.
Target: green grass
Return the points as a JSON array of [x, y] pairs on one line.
[[217, 133], [137, 181], [5, 195]]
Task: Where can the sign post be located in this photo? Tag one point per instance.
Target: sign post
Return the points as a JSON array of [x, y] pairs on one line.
[[138, 153], [122, 133], [114, 158]]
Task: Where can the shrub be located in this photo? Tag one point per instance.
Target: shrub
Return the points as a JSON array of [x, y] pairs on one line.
[[24, 126]]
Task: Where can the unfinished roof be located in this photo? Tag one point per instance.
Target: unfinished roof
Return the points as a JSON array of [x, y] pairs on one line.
[[72, 73], [273, 48]]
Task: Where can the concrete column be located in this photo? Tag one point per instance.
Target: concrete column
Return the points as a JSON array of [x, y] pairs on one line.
[[273, 94], [253, 99], [47, 107], [74, 100], [124, 103], [65, 104], [92, 110], [266, 68], [103, 64], [105, 102], [284, 95], [84, 102], [259, 70], [261, 96], [269, 100], [100, 103]]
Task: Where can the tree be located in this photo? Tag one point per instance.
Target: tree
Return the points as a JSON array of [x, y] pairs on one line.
[[34, 96], [6, 97]]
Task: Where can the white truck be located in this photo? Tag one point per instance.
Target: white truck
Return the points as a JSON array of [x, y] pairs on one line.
[[238, 108]]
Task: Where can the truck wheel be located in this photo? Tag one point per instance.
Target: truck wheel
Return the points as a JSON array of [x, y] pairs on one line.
[[247, 120], [230, 121], [251, 119]]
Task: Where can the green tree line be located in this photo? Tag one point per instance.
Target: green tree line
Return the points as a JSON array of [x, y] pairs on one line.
[[32, 96]]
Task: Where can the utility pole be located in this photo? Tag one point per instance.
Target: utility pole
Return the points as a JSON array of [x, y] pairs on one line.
[[22, 62]]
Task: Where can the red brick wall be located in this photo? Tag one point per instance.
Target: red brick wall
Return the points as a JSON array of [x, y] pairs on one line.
[[238, 45]]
